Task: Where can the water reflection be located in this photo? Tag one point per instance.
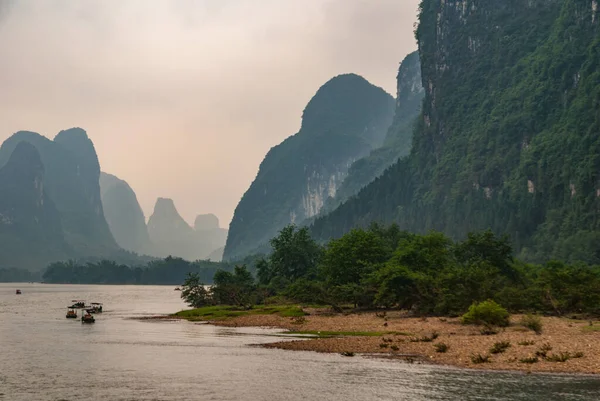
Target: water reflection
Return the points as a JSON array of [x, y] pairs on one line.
[[44, 356]]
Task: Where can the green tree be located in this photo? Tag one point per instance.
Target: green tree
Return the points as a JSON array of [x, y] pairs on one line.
[[295, 254], [352, 257], [194, 292], [235, 288]]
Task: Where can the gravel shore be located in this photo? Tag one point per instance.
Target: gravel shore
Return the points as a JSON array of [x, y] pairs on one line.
[[402, 337]]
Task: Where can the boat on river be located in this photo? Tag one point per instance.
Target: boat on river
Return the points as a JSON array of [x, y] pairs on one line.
[[96, 307], [87, 317], [18, 292], [71, 313], [78, 304]]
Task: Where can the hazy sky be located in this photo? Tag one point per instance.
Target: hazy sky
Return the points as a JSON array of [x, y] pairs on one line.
[[183, 98]]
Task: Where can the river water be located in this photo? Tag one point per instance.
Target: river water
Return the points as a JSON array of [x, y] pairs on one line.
[[44, 356]]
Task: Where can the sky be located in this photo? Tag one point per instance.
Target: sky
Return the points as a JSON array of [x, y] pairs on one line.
[[184, 98]]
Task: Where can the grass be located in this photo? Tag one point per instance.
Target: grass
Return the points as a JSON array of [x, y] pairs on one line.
[[533, 323], [326, 334], [531, 359], [441, 347], [223, 312], [591, 328], [500, 347], [478, 358]]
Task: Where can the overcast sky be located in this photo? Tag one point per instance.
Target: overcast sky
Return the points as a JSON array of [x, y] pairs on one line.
[[183, 98]]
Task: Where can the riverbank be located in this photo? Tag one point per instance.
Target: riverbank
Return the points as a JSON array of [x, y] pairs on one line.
[[565, 345]]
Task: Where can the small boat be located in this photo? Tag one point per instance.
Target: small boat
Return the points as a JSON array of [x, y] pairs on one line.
[[177, 289], [87, 317], [78, 304], [96, 307], [18, 292], [71, 313]]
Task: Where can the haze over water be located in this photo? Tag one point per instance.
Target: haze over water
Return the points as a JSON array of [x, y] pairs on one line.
[[44, 356]]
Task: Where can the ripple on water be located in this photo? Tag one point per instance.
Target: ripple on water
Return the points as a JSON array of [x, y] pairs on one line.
[[45, 357]]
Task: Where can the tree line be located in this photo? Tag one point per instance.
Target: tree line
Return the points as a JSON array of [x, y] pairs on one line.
[[170, 270], [385, 267]]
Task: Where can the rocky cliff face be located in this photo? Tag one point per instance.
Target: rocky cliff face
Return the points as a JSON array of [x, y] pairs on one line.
[[172, 235], [124, 215], [509, 137], [398, 141], [344, 121], [31, 233], [72, 182]]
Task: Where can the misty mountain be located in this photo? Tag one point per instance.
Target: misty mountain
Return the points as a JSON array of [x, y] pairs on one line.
[[172, 235], [509, 136], [398, 141], [343, 122], [31, 233], [124, 215], [71, 181]]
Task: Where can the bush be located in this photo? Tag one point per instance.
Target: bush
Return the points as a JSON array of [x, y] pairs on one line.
[[488, 330], [441, 347], [487, 312], [500, 347], [394, 348], [533, 323], [347, 353], [526, 342], [561, 357], [478, 358], [531, 359]]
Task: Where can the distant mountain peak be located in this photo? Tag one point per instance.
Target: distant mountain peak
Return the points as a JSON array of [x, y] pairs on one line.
[[206, 222]]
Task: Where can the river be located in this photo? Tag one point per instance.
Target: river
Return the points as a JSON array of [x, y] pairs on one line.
[[44, 356]]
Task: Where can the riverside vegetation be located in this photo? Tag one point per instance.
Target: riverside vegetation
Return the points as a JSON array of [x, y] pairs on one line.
[[383, 290]]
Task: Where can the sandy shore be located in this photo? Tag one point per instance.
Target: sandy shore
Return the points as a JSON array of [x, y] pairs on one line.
[[397, 334]]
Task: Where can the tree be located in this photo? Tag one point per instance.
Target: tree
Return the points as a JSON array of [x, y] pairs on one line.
[[352, 257], [295, 254], [194, 292], [235, 288]]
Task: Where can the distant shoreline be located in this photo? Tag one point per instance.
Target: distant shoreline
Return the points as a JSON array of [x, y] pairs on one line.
[[411, 339]]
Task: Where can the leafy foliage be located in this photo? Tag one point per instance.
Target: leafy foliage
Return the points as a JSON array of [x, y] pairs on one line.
[[508, 138], [487, 312], [194, 292]]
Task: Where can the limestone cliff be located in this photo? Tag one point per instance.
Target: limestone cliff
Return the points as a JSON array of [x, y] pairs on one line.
[[344, 121], [124, 215]]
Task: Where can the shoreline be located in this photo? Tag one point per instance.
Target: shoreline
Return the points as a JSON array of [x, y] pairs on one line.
[[411, 339]]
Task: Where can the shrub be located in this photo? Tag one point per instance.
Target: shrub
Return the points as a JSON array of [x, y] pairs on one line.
[[487, 312], [526, 342], [500, 347], [394, 348], [383, 345], [577, 355], [478, 358], [533, 323], [425, 339], [347, 353], [561, 357], [488, 331], [531, 359], [441, 347], [298, 320]]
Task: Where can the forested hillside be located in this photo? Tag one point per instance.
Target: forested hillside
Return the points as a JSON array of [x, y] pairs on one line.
[[509, 135], [343, 122], [398, 141]]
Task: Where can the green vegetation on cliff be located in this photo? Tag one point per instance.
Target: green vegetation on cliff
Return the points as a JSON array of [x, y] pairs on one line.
[[509, 137], [344, 121]]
